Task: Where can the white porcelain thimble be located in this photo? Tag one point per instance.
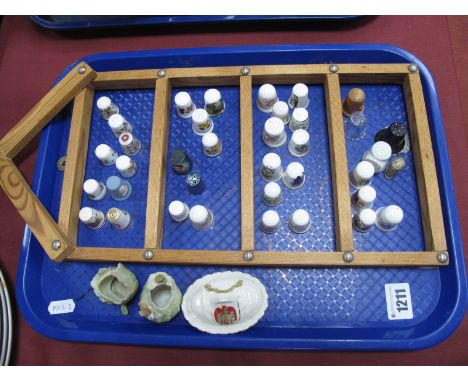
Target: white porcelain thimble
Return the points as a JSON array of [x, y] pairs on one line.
[[273, 132], [389, 217], [93, 218], [363, 198], [378, 155], [267, 97], [299, 144], [271, 194], [281, 111], [118, 218], [129, 144], [294, 176], [212, 146], [184, 105], [270, 222], [364, 220], [126, 166], [201, 122], [106, 107], [299, 119], [201, 218], [299, 221], [361, 175], [105, 154], [214, 103], [271, 169], [299, 96], [94, 189], [119, 125], [179, 211]]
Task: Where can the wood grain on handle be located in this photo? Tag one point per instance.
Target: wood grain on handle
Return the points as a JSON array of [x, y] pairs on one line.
[[32, 211], [42, 113]]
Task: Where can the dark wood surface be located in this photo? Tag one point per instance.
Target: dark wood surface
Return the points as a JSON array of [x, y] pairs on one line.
[[31, 59]]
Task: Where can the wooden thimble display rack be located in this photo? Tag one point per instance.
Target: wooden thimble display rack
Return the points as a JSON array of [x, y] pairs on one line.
[[59, 239]]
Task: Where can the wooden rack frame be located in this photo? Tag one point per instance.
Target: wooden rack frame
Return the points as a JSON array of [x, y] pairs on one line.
[[59, 240]]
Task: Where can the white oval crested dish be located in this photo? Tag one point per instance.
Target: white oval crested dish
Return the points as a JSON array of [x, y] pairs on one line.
[[225, 302]]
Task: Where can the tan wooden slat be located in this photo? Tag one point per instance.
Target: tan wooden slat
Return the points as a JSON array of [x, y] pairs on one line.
[[426, 175], [161, 256], [372, 69], [369, 78], [41, 114], [287, 74], [247, 167], [371, 259], [339, 165], [125, 79], [322, 259], [157, 165], [261, 258], [259, 70], [32, 211], [75, 164], [397, 259], [210, 76]]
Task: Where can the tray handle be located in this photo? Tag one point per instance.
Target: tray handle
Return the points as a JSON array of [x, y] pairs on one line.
[[43, 226]]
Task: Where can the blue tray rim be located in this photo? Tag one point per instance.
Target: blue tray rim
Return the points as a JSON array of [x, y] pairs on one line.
[[447, 197], [177, 20]]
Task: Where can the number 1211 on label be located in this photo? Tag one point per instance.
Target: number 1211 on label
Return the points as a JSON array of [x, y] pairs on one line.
[[398, 298]]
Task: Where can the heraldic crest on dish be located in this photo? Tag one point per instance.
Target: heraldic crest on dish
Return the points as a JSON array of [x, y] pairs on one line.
[[225, 302]]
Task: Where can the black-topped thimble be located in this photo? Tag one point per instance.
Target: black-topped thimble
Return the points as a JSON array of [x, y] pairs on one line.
[[195, 183], [180, 161], [394, 135]]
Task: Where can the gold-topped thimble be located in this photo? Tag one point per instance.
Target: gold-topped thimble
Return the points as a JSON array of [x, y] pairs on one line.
[[118, 218], [354, 101]]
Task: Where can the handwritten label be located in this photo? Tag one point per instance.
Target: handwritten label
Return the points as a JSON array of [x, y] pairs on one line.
[[61, 306], [399, 305]]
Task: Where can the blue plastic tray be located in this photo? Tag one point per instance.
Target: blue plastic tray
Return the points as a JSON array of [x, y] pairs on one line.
[[69, 23], [336, 308]]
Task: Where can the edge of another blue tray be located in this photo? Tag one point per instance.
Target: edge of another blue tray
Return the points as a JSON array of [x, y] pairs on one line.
[[132, 22]]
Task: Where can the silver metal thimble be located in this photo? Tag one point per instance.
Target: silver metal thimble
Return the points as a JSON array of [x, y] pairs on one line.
[[396, 164]]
